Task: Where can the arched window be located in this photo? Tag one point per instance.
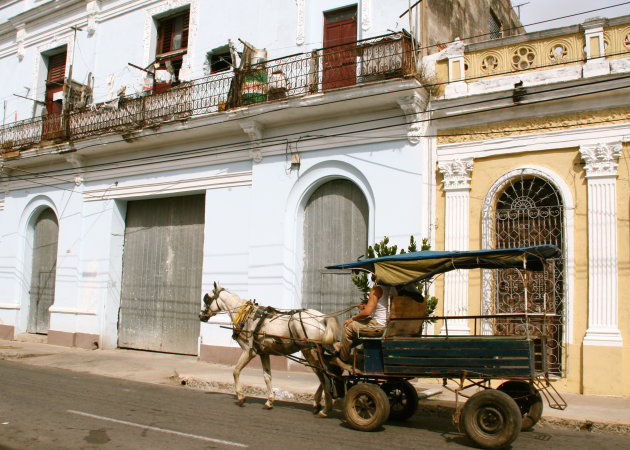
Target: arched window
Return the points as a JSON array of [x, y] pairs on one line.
[[529, 211]]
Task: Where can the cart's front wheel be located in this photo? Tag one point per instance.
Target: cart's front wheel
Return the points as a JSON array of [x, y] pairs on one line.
[[403, 399], [366, 407], [528, 400], [491, 419]]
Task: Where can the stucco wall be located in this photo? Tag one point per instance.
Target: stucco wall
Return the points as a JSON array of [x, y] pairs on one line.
[[450, 19], [588, 368]]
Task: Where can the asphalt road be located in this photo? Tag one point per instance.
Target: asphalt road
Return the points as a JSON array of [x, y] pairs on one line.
[[44, 408]]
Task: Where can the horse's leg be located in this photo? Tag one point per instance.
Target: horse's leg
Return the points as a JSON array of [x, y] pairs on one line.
[[313, 361], [317, 399], [243, 360], [266, 364]]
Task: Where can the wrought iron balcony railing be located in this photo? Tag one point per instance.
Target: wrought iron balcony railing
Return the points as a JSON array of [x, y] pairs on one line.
[[380, 58]]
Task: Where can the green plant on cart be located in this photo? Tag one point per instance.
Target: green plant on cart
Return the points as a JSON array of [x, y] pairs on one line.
[[382, 248]]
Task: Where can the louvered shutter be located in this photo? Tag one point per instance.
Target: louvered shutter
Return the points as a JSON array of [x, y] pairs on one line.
[[56, 68]]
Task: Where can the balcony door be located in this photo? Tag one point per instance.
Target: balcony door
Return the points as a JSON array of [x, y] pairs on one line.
[[340, 60], [55, 78]]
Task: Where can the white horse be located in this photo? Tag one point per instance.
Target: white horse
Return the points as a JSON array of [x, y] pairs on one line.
[[264, 331]]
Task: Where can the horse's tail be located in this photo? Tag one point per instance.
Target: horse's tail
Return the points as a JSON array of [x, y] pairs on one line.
[[332, 329]]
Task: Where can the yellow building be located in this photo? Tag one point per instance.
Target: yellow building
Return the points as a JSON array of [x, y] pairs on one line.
[[532, 146]]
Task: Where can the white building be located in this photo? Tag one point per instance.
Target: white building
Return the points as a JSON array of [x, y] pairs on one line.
[[144, 159]]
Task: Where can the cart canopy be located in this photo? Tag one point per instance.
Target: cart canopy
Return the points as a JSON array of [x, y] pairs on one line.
[[396, 270]]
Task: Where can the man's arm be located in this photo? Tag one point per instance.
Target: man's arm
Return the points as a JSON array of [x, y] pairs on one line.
[[370, 306]]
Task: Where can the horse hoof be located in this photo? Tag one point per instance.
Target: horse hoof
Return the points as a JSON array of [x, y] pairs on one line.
[[316, 409], [266, 406], [241, 402], [321, 415]]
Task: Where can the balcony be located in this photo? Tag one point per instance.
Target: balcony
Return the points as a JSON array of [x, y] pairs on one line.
[[384, 57]]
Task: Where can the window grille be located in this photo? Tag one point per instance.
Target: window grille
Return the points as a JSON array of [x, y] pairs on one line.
[[529, 211]]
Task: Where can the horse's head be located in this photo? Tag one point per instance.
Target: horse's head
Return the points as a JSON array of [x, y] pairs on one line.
[[212, 303]]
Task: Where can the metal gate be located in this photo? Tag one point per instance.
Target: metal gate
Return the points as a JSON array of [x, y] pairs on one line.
[[44, 271], [335, 230], [530, 212], [161, 285]]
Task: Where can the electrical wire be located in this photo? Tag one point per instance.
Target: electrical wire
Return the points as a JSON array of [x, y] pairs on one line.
[[307, 135]]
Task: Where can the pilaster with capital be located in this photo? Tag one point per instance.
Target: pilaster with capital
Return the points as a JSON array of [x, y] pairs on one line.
[[456, 185], [601, 163]]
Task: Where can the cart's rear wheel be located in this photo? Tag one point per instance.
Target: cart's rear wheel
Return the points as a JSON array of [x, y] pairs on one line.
[[528, 400], [366, 407], [403, 399], [491, 419]]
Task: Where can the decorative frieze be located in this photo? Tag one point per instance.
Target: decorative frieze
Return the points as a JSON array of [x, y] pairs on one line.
[[601, 162], [560, 122]]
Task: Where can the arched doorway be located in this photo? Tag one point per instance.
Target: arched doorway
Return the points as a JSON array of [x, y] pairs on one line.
[[529, 211], [44, 270], [335, 230]]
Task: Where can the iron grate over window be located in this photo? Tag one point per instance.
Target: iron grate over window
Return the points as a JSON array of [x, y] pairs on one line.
[[529, 211]]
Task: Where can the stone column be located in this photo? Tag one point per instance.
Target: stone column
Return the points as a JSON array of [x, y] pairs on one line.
[[601, 177], [457, 188]]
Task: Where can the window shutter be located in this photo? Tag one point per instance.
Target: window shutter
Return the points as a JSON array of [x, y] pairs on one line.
[[165, 36], [185, 26], [56, 68], [169, 29]]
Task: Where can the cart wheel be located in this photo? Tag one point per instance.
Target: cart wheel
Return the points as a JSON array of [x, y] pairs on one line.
[[491, 419], [403, 399], [527, 398], [366, 407]]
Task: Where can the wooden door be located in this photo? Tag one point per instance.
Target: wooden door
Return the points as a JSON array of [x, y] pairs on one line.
[[335, 231], [339, 53], [161, 288], [44, 271]]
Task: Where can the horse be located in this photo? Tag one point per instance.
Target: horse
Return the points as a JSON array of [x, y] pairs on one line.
[[265, 331]]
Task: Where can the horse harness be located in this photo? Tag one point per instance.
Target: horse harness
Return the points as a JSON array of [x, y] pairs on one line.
[[251, 311]]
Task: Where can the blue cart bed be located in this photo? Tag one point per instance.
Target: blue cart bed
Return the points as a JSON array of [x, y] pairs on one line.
[[499, 357]]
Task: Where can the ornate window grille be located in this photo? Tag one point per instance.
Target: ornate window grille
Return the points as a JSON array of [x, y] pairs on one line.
[[529, 211]]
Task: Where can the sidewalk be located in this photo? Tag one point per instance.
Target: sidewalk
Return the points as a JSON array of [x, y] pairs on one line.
[[585, 412]]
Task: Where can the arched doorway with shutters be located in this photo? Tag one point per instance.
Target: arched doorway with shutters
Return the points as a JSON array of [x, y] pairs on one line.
[[43, 238], [335, 229], [526, 208]]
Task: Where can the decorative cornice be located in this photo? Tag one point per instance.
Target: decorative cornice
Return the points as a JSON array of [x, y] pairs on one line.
[[44, 10], [130, 190], [300, 36], [414, 107], [456, 173], [601, 159]]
